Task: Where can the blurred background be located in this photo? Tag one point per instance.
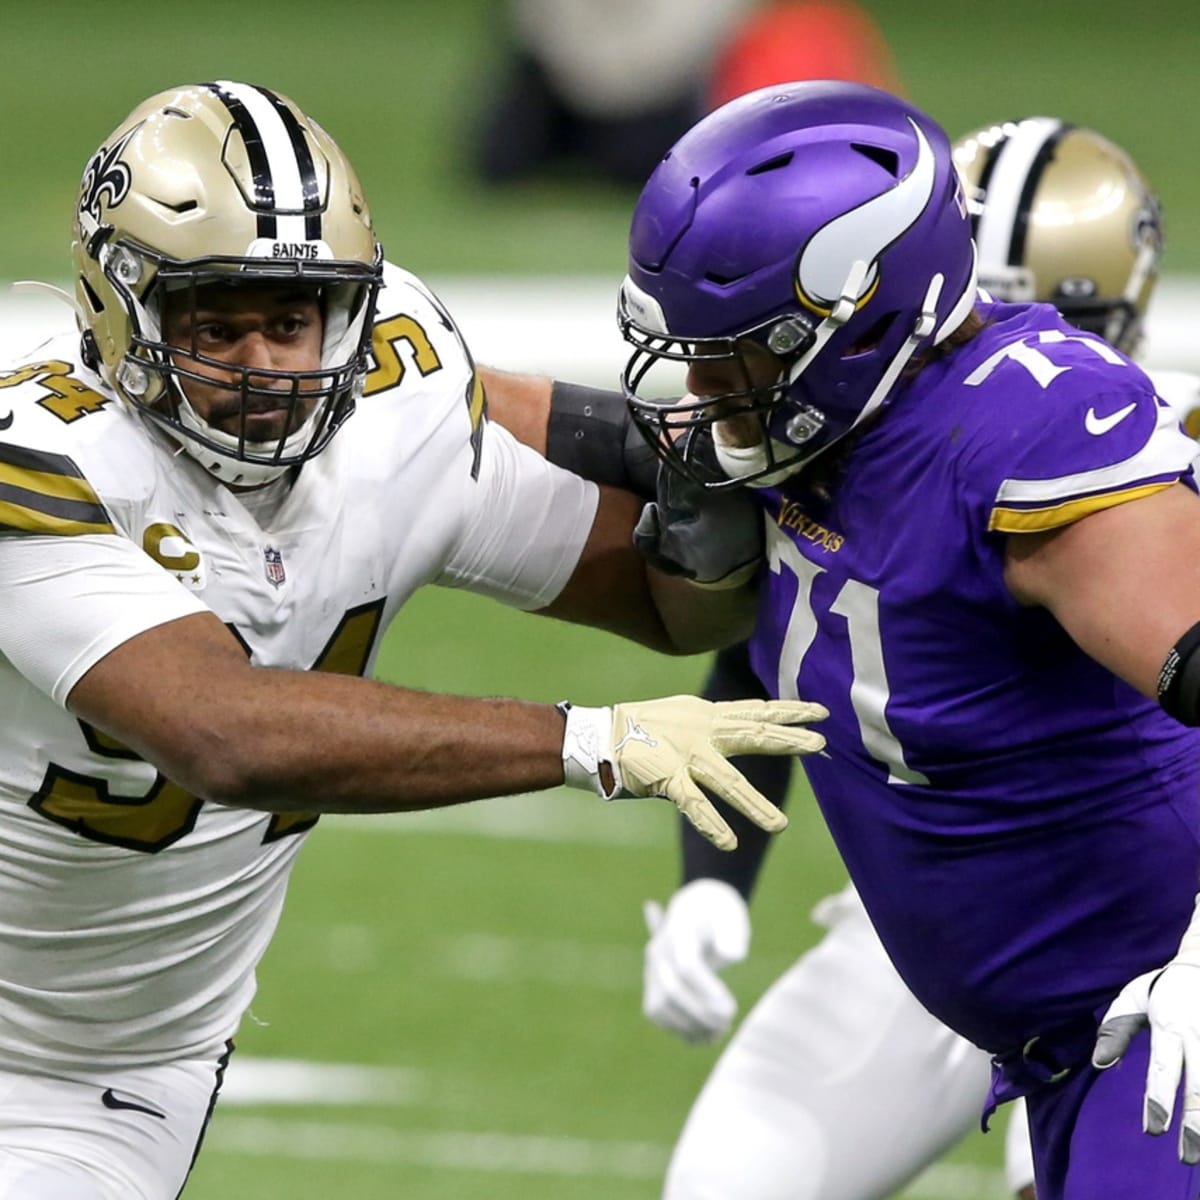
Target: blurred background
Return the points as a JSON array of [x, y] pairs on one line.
[[451, 1006], [404, 85]]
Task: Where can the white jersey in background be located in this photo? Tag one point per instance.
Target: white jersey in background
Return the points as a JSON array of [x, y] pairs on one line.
[[110, 873], [1181, 390]]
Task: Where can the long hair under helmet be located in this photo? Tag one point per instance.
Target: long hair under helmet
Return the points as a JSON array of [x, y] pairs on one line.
[[822, 220], [224, 183]]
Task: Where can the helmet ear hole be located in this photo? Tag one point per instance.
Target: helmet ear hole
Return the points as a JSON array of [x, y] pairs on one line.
[[94, 303], [872, 336]]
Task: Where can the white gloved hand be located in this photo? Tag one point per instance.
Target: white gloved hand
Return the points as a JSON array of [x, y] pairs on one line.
[[668, 747], [706, 928], [1168, 1002]]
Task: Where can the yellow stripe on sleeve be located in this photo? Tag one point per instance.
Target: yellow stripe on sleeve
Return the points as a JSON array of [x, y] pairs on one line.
[[33, 520], [476, 400], [45, 494], [47, 483], [1038, 520]]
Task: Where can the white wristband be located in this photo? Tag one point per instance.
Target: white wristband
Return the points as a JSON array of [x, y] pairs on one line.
[[587, 746]]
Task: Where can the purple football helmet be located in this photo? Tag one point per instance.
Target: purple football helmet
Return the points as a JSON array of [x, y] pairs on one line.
[[824, 221]]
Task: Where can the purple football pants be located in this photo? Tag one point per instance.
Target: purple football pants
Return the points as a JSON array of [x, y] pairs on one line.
[[1088, 1142]]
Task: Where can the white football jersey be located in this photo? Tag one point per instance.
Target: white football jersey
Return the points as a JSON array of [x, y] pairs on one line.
[[1181, 390], [132, 915]]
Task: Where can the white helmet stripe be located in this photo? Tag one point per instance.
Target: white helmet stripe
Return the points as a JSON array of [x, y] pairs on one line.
[[1006, 184], [281, 161]]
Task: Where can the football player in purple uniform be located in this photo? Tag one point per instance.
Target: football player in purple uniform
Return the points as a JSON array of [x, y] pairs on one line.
[[978, 520], [838, 1034]]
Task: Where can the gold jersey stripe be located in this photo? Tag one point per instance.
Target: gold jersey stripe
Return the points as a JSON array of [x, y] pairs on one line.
[[47, 493], [47, 483], [34, 520], [38, 460], [476, 400], [1036, 520]]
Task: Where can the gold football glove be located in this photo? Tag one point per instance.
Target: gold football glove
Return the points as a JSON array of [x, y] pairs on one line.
[[669, 747]]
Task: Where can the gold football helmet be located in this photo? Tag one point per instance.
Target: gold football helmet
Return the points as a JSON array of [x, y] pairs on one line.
[[224, 183], [1063, 215]]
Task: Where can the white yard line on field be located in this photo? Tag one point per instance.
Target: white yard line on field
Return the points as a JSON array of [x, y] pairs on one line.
[[250, 1081], [489, 958], [958, 1181], [494, 1153], [560, 815], [513, 1154]]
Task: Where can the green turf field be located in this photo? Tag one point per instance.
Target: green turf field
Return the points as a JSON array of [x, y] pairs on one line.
[[487, 965], [397, 82]]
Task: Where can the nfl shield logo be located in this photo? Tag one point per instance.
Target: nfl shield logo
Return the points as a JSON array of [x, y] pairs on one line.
[[273, 562]]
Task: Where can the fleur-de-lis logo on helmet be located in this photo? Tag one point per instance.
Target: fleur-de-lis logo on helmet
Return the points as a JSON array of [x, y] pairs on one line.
[[105, 175]]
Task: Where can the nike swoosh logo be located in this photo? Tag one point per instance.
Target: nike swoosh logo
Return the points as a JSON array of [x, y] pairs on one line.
[[5, 422], [110, 1099], [1097, 425]]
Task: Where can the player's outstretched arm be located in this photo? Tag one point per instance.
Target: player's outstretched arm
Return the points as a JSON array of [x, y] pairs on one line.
[[184, 697], [586, 430], [614, 588], [693, 591], [711, 538]]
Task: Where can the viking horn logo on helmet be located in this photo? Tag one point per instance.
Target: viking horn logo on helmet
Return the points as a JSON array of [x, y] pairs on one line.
[[863, 233]]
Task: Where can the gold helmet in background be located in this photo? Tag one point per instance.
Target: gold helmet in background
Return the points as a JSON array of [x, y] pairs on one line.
[[224, 183], [1063, 215]]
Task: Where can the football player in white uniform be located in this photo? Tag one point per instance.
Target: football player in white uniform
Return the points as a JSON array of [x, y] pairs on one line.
[[838, 1085], [211, 506]]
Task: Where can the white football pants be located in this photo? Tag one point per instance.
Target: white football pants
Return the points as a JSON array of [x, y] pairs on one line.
[[114, 1135], [838, 1085]]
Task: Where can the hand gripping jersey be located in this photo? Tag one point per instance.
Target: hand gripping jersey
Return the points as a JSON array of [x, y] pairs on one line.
[[132, 914], [1022, 826]]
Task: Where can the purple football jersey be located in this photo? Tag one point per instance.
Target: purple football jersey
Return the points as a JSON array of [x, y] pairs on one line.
[[1023, 827]]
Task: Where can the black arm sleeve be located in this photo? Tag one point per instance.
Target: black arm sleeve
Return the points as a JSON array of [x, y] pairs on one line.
[[1179, 680], [591, 433], [732, 679]]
